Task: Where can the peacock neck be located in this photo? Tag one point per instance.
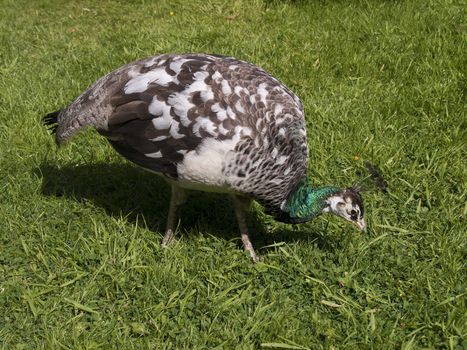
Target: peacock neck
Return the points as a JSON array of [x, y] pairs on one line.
[[306, 202]]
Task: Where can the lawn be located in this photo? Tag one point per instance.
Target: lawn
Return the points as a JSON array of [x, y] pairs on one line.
[[81, 265]]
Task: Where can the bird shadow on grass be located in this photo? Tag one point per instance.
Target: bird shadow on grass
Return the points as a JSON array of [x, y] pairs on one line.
[[124, 190]]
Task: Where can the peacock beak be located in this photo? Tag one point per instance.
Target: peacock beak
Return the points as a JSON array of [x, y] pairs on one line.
[[361, 224]]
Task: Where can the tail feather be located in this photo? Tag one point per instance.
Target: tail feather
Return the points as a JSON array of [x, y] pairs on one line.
[[51, 121]]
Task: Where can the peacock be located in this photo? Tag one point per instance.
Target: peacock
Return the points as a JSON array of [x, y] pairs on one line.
[[210, 123]]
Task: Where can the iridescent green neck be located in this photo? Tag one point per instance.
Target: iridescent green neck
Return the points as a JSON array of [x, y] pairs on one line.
[[307, 202]]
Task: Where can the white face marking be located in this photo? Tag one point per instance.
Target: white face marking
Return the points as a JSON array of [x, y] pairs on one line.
[[335, 203], [344, 207]]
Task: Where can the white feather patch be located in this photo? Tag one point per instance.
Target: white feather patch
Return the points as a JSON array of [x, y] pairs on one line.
[[239, 107], [205, 124], [159, 138], [274, 152], [176, 65], [179, 101], [216, 76], [222, 130], [174, 130], [238, 89], [159, 108], [231, 113], [157, 154], [203, 167], [207, 94], [278, 108], [139, 82], [220, 112], [161, 123], [263, 93], [226, 89], [282, 159]]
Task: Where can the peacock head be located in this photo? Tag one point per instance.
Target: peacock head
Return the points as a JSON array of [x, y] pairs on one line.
[[307, 202], [347, 204]]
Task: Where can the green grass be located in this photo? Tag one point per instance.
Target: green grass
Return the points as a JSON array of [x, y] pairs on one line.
[[80, 261]]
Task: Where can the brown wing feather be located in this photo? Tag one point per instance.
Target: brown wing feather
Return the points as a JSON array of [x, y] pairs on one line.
[[156, 110]]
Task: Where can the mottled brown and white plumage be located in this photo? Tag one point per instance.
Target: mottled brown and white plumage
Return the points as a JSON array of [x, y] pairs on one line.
[[204, 122]]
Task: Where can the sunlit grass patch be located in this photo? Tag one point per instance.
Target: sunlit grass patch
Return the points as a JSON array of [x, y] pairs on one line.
[[80, 260]]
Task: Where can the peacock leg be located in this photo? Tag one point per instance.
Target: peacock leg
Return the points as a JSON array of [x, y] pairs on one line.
[[177, 198], [241, 206]]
